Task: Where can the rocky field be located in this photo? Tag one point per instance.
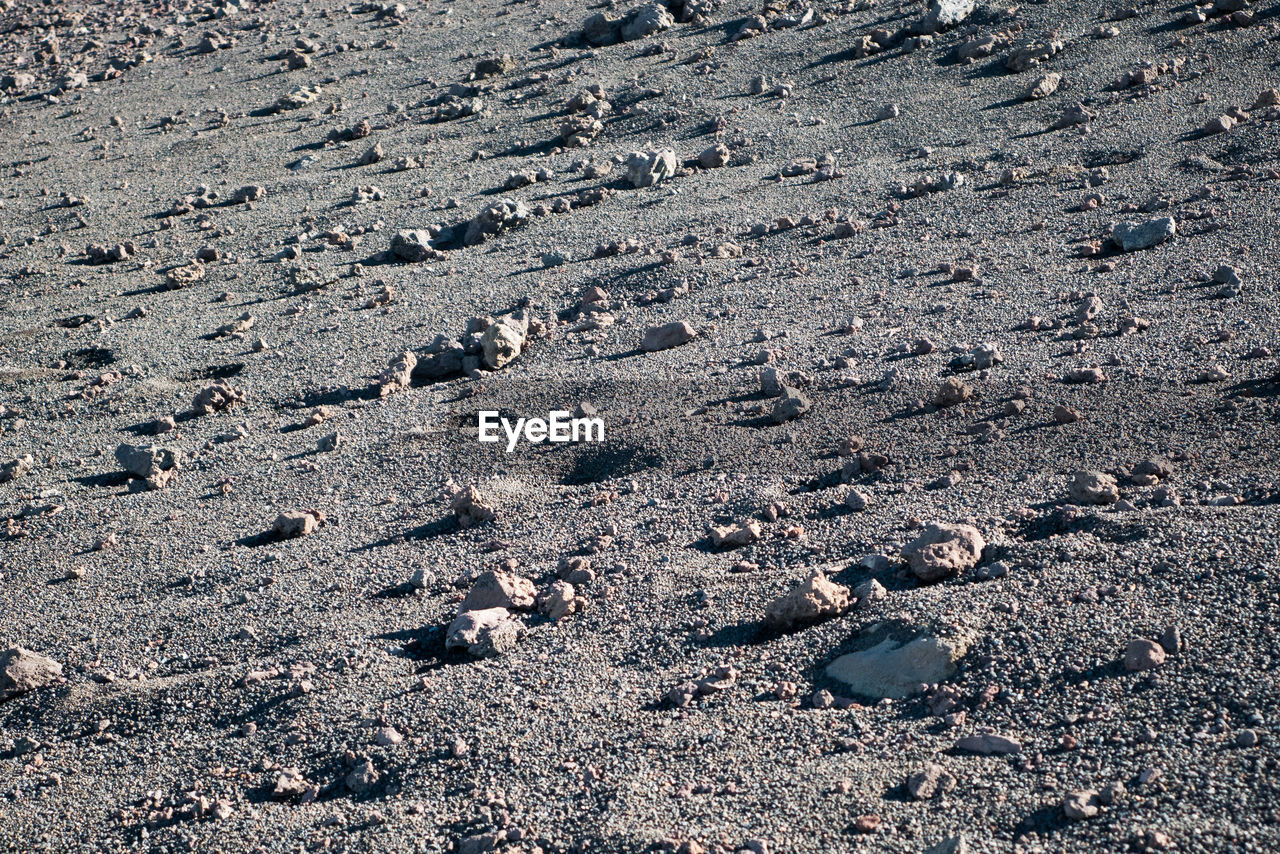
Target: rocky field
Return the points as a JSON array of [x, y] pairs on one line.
[[935, 352]]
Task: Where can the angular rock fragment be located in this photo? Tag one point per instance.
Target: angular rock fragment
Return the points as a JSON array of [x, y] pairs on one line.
[[1080, 805], [952, 392], [735, 536], [496, 589], [667, 336], [495, 67], [1031, 54], [297, 523], [1092, 487], [791, 405], [646, 168], [239, 326], [99, 254], [645, 20], [484, 633], [942, 15], [1072, 116], [943, 550], [469, 509], [1044, 87], [251, 193], [362, 778], [930, 781], [579, 131], [16, 468], [813, 599], [714, 157], [216, 397], [22, 671], [397, 375], [501, 216], [773, 381], [414, 246], [290, 782], [185, 276], [503, 342], [560, 600], [152, 463], [601, 29]]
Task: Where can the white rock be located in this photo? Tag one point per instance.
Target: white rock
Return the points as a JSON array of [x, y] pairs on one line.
[[896, 670]]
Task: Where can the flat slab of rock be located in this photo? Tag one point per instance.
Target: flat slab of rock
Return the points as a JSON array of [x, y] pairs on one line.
[[896, 670], [1134, 236], [989, 744], [22, 671]]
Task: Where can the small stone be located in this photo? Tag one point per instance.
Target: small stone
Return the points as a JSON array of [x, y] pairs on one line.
[[297, 523], [215, 398], [388, 737], [560, 600], [855, 501], [250, 193], [1142, 654], [1044, 87], [952, 392], [413, 246], [930, 781], [16, 468], [714, 157], [1081, 805]]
